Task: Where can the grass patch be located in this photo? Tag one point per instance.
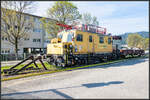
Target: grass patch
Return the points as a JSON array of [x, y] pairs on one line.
[[48, 66]]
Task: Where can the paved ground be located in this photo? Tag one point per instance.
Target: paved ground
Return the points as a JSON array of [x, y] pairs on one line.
[[129, 79]]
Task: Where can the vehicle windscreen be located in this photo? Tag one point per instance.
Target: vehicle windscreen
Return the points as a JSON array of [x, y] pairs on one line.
[[67, 37], [60, 36]]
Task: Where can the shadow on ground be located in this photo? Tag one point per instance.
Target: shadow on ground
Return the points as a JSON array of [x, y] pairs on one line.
[[92, 85], [88, 85]]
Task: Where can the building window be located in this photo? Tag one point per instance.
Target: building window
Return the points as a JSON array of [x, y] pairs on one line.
[[35, 19], [90, 38], [27, 17], [2, 51], [6, 38], [109, 40], [5, 51], [47, 41], [34, 40], [8, 51], [37, 30], [79, 37], [26, 39], [3, 38], [101, 39], [33, 30], [17, 26], [38, 40], [27, 28]]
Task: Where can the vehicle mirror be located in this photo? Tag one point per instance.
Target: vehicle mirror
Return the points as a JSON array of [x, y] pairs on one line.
[[71, 47]]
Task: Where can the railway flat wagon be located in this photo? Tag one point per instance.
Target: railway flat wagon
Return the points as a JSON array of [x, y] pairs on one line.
[[132, 52]]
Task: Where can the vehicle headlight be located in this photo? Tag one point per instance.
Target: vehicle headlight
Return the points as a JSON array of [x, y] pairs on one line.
[[65, 46], [76, 58]]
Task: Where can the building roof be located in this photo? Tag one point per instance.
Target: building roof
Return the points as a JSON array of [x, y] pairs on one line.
[[30, 14]]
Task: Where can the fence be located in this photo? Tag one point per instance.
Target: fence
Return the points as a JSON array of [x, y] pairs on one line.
[[11, 57]]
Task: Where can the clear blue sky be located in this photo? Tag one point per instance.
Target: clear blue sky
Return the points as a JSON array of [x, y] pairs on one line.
[[117, 16]]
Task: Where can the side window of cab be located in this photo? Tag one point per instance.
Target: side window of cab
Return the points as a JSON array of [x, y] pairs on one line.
[[109, 40], [79, 37], [90, 38], [101, 39]]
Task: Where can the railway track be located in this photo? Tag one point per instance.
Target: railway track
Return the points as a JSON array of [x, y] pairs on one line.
[[30, 71]]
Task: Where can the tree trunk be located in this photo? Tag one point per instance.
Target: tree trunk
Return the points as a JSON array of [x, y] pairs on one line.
[[16, 48]]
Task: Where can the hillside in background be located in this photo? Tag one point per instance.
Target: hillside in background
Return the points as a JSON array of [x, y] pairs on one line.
[[124, 36]]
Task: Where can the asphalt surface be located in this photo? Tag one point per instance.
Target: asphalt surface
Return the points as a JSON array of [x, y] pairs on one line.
[[123, 80]]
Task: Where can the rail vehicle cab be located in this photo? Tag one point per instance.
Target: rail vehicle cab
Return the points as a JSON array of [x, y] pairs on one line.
[[79, 42], [59, 45]]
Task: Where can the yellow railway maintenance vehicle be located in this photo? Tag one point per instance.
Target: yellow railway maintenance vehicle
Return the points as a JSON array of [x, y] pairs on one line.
[[84, 44]]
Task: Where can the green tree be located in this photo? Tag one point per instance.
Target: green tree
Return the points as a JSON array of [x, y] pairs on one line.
[[50, 27], [134, 40], [88, 19], [63, 12], [145, 44], [14, 24]]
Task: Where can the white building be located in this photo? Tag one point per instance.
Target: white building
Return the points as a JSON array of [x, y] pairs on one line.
[[36, 41]]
